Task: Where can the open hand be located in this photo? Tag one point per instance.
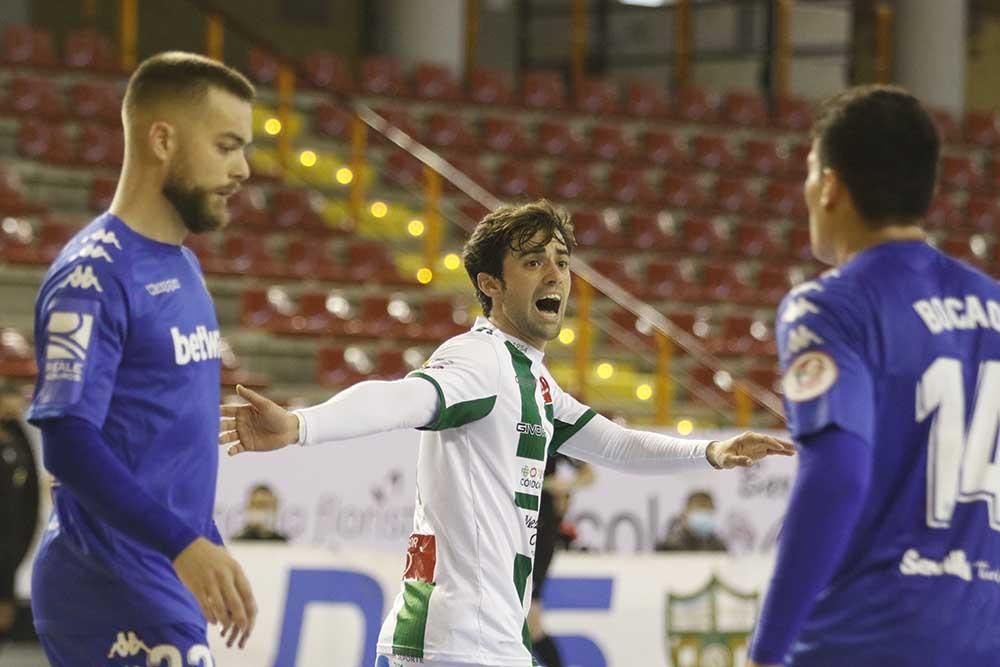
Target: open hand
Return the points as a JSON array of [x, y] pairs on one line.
[[261, 426], [746, 449]]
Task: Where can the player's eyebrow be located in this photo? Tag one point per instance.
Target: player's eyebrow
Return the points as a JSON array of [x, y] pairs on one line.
[[235, 137]]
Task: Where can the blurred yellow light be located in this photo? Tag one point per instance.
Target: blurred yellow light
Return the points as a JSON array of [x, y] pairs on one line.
[[307, 158], [344, 176], [605, 370], [272, 126], [415, 227], [685, 426], [379, 209], [567, 336], [424, 276], [452, 261], [644, 392]]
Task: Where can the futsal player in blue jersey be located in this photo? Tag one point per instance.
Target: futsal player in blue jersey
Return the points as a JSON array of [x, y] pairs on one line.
[[890, 553], [131, 564]]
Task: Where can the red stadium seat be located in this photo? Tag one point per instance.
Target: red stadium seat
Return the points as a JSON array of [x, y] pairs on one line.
[[328, 71], [448, 130], [734, 195], [700, 236], [404, 170], [435, 82], [665, 280], [959, 245], [646, 100], [983, 213], [766, 157], [799, 244], [948, 127], [723, 282], [490, 87], [960, 172], [543, 90], [382, 76], [736, 337], [646, 232], [982, 128], [298, 209], [756, 240], [14, 199], [89, 50], [792, 113], [263, 67], [38, 140], [630, 332], [18, 242], [96, 101], [503, 135], [471, 167], [683, 191], [556, 139], [310, 317], [744, 110], [248, 208], [518, 180], [101, 146], [713, 152], [608, 143], [331, 120], [694, 105], [52, 237], [591, 231], [102, 191], [772, 283], [615, 270], [630, 187], [596, 96], [573, 182], [24, 46], [390, 364], [306, 257], [17, 358], [785, 199], [35, 97], [371, 261], [437, 321], [373, 320], [943, 214], [337, 367], [662, 148], [767, 377]]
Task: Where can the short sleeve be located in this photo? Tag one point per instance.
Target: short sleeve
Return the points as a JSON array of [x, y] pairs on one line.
[[80, 330], [570, 416], [827, 379], [465, 373]]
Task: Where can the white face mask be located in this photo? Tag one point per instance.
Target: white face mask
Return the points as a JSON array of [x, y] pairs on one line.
[[701, 522], [265, 519]]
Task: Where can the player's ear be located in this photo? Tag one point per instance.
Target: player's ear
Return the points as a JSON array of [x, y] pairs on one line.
[[488, 284], [832, 188], [162, 140]]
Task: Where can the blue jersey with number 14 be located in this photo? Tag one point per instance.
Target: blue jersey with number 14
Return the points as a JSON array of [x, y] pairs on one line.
[[901, 346]]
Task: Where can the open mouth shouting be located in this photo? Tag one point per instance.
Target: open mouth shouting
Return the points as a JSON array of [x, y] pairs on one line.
[[549, 306]]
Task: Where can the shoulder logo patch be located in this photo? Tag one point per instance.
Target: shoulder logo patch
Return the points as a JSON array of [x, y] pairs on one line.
[[82, 277], [809, 376]]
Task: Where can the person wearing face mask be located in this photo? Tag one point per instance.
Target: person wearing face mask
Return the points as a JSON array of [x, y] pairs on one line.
[[694, 530], [260, 519]]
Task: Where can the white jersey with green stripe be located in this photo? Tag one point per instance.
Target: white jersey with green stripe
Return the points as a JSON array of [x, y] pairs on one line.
[[467, 579]]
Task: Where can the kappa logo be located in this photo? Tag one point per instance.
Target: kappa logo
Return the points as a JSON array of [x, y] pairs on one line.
[[94, 252], [798, 308], [127, 645], [802, 337], [83, 278], [102, 236], [163, 287], [803, 288]]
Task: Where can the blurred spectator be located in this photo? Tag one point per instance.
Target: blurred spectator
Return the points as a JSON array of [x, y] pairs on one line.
[[18, 501], [260, 519], [694, 530]]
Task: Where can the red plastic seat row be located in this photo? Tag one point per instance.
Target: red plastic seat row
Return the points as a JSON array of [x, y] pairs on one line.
[[83, 49], [96, 145]]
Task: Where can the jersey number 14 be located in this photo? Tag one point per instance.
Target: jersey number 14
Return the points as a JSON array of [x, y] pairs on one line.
[[961, 466]]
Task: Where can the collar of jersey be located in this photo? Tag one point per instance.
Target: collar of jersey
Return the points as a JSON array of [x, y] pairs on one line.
[[532, 353]]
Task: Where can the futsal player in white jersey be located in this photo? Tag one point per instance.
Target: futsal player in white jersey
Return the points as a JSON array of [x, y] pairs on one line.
[[490, 413]]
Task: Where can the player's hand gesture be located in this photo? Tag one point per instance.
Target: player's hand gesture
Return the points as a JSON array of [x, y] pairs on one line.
[[746, 449], [220, 587], [261, 426]]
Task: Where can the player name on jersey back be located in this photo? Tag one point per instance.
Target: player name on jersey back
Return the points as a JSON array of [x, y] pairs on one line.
[[958, 313]]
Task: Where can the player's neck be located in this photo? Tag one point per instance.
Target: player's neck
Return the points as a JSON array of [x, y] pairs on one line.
[[863, 237], [507, 327], [140, 204]]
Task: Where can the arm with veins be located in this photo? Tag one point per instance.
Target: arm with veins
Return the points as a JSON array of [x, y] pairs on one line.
[[603, 442]]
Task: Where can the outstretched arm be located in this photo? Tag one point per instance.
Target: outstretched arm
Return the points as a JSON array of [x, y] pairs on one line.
[[363, 409], [604, 443]]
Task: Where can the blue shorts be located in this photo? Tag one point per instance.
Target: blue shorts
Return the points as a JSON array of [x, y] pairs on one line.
[[179, 645]]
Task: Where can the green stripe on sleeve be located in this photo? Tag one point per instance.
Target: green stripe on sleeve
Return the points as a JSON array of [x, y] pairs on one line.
[[459, 414], [565, 431], [411, 621]]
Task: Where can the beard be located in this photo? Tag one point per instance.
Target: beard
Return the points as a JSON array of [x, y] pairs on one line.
[[193, 205]]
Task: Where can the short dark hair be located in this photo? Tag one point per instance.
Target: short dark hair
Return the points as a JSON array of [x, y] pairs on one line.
[[178, 75], [513, 228], [885, 147]]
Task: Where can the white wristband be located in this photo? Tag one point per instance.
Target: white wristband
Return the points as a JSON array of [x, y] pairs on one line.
[[301, 442]]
